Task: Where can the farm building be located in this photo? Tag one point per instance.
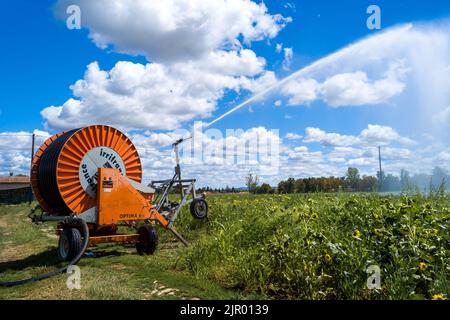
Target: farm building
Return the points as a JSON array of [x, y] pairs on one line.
[[15, 189]]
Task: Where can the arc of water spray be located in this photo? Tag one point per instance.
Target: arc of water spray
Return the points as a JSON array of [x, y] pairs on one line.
[[317, 64]]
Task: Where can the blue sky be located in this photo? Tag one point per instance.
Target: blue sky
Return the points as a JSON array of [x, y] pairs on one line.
[[41, 58]]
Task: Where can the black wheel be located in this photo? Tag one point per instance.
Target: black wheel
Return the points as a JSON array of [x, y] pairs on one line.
[[69, 243], [147, 241], [199, 208]]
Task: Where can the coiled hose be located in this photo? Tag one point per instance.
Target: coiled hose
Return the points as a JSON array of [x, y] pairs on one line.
[[85, 232]]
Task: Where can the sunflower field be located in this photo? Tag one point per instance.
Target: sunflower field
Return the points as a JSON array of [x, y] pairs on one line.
[[323, 246]]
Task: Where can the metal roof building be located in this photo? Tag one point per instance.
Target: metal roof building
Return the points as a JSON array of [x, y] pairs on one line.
[[15, 189]]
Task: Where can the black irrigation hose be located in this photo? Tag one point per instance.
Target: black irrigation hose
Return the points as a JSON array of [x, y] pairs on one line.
[[61, 270], [46, 174]]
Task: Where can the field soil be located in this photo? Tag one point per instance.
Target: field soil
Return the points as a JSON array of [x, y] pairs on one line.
[[107, 272], [289, 246]]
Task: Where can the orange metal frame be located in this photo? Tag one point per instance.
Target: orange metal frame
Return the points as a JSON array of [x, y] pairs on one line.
[[117, 202], [119, 238]]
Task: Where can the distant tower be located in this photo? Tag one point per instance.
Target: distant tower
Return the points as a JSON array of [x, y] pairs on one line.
[[380, 176]]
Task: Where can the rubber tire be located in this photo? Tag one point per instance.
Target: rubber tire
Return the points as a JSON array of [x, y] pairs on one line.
[[199, 208], [147, 241], [73, 246]]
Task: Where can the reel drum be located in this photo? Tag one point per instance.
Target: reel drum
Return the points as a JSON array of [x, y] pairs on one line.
[[65, 168]]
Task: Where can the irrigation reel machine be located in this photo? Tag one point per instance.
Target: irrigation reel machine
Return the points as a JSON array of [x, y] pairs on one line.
[[89, 181]]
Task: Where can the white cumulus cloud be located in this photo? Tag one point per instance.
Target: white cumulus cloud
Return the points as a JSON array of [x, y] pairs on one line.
[[15, 150], [156, 96], [372, 135], [288, 55], [399, 65], [196, 53], [347, 89], [174, 30]]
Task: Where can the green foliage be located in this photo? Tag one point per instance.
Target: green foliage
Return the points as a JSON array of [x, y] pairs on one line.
[[115, 272], [351, 182], [295, 246], [265, 188], [352, 178], [318, 246], [252, 182]]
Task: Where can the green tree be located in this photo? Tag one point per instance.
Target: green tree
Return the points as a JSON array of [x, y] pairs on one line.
[[287, 186], [252, 181], [439, 177], [299, 186], [391, 183], [352, 178], [405, 180], [368, 184], [381, 181], [265, 188]]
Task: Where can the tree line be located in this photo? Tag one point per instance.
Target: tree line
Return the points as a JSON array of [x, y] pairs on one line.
[[354, 182]]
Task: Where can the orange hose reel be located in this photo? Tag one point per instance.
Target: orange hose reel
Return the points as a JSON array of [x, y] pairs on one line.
[[95, 174], [64, 170]]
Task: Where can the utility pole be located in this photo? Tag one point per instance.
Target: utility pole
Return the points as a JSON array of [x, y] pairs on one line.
[[33, 138], [380, 177]]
